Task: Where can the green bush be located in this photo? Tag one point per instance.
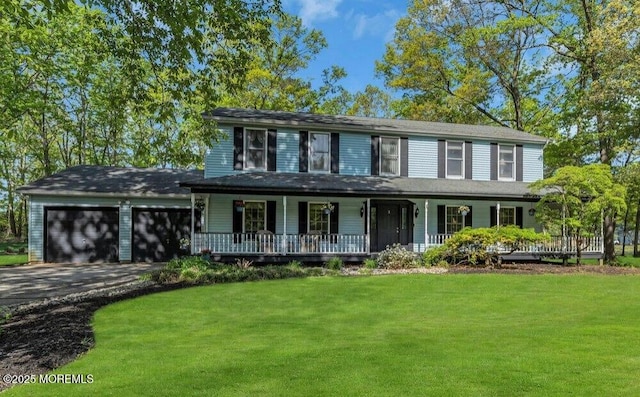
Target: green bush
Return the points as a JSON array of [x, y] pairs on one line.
[[335, 263], [294, 264], [397, 257], [482, 246], [370, 263]]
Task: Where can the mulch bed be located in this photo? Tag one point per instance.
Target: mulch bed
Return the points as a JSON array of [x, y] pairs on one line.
[[43, 336]]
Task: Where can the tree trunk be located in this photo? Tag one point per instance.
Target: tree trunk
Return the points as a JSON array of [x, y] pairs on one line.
[[624, 229], [609, 233]]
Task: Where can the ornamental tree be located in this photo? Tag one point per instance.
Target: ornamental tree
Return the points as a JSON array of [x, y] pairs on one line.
[[575, 200]]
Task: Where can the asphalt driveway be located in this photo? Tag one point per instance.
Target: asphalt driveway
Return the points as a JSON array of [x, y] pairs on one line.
[[23, 284]]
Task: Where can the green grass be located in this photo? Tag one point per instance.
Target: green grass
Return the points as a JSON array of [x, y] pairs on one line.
[[452, 335], [12, 259]]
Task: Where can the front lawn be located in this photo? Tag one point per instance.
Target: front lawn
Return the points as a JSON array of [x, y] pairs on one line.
[[10, 253], [453, 335]]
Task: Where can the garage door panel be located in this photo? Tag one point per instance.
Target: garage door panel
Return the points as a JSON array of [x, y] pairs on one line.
[[81, 235], [157, 233]]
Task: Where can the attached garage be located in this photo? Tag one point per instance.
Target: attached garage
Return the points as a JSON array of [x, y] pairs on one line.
[[157, 233], [81, 235]]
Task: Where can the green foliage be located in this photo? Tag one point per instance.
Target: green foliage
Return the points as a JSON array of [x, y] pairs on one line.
[[397, 257], [370, 263], [334, 263], [294, 264], [482, 246]]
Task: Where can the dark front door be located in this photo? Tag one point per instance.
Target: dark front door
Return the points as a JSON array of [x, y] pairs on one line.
[[157, 233], [393, 224]]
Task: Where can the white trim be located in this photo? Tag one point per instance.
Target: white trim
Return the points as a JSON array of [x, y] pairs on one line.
[[399, 156], [446, 161], [309, 160], [514, 162], [245, 143], [244, 212]]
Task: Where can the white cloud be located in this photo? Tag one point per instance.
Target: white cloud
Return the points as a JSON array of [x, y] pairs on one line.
[[381, 24], [317, 10]]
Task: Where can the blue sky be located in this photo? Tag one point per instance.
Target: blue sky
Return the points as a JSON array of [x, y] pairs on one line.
[[356, 32]]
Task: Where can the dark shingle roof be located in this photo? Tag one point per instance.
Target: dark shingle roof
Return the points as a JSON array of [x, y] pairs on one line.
[[361, 186], [100, 180], [269, 118]]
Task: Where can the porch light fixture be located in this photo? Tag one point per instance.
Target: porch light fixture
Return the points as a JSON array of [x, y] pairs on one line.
[[416, 212], [199, 204], [362, 211], [239, 204], [463, 210], [532, 211], [327, 208]]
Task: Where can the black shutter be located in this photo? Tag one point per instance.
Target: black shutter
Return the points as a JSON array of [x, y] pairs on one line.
[[272, 148], [519, 170], [238, 148], [468, 160], [303, 152], [365, 217], [442, 219], [442, 159], [335, 153], [237, 222], [492, 216], [493, 159], [468, 220], [404, 156], [302, 217], [375, 155], [334, 219], [519, 217], [271, 216]]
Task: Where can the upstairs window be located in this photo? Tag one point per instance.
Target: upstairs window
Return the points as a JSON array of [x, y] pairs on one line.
[[255, 148], [319, 152], [455, 159], [506, 162], [389, 156]]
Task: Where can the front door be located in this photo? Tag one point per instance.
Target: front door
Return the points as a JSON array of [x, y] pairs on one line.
[[392, 224]]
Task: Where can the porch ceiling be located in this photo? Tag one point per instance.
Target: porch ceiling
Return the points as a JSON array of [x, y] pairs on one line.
[[310, 184]]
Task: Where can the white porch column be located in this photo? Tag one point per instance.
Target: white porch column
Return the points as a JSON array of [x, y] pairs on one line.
[[284, 226], [498, 215], [426, 224], [193, 224], [368, 209]]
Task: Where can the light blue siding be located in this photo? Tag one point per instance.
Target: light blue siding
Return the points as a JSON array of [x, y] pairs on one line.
[[423, 157], [288, 155], [532, 163], [355, 154], [125, 223], [481, 163], [219, 160]]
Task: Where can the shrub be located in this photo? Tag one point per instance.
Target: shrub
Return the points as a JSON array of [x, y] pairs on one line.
[[482, 246], [243, 263], [294, 264], [397, 257], [370, 263], [335, 263]]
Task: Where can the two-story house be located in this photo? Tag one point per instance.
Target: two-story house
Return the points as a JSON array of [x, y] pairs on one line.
[[285, 185]]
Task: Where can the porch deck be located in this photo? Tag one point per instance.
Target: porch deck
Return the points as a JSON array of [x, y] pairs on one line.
[[269, 244]]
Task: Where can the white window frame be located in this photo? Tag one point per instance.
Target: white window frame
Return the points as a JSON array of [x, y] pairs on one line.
[[309, 204], [446, 218], [398, 163], [246, 148], [513, 210], [244, 215], [462, 165], [328, 166], [513, 162]]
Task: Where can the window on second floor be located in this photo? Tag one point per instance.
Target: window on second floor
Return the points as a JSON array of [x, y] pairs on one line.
[[506, 162], [455, 159], [389, 156], [255, 149], [319, 152]]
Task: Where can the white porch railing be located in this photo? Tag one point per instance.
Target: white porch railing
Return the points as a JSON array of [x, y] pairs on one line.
[[557, 245], [267, 243]]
